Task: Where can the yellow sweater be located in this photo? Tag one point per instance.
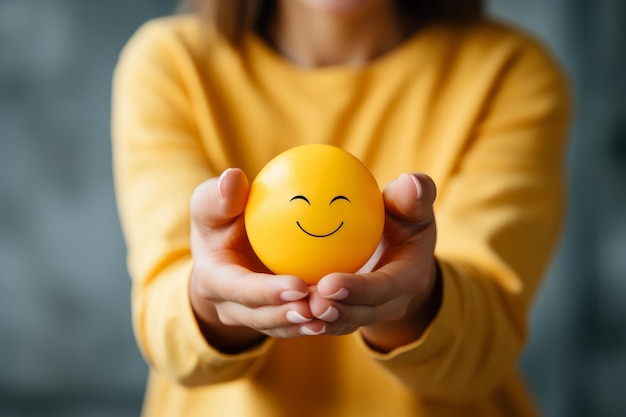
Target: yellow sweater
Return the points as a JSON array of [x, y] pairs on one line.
[[481, 108]]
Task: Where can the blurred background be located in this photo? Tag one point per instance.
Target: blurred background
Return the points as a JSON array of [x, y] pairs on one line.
[[66, 345]]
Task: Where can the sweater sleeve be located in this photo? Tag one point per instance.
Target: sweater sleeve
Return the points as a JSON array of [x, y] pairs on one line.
[[158, 160], [498, 218]]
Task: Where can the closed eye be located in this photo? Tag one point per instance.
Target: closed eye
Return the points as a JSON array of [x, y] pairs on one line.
[[300, 197], [339, 197]]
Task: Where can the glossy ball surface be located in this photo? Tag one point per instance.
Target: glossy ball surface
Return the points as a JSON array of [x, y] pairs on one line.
[[312, 210]]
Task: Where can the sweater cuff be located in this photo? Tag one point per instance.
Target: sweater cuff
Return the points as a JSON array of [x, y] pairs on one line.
[[204, 350], [436, 336]]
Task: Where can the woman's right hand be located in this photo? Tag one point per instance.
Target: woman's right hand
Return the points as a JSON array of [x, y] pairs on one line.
[[236, 300]]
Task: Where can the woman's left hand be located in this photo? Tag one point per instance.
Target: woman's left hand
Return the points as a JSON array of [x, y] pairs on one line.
[[394, 303]]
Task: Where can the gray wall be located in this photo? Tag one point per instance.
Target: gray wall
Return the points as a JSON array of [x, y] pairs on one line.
[[576, 359], [66, 345]]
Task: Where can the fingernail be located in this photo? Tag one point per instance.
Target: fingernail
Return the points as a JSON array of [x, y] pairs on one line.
[[331, 314], [308, 332], [292, 295], [296, 318], [219, 182], [339, 295], [418, 186]]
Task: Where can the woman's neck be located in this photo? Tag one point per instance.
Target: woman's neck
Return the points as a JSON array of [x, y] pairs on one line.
[[316, 39]]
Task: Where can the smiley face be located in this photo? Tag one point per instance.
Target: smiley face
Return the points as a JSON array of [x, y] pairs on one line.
[[301, 197], [313, 210]]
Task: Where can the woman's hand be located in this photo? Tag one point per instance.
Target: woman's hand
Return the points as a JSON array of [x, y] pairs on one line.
[[235, 299], [395, 303]]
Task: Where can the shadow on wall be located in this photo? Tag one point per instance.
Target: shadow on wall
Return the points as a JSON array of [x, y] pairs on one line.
[[66, 346]]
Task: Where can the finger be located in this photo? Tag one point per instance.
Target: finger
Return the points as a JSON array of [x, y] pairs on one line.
[[355, 316], [217, 201], [264, 318], [231, 282], [344, 317], [411, 197], [286, 321], [390, 281]]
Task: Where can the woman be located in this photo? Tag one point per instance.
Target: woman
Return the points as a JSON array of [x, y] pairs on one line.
[[423, 93]]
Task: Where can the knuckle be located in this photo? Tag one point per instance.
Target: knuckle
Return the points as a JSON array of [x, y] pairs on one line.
[[397, 311], [255, 322], [226, 319], [375, 316], [268, 295], [422, 285], [389, 289], [386, 288], [397, 314], [203, 290], [235, 295], [257, 325]]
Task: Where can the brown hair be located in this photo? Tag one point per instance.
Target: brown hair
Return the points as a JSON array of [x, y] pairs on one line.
[[232, 18]]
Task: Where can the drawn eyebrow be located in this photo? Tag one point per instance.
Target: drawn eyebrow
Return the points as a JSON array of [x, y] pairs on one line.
[[300, 197], [339, 197]]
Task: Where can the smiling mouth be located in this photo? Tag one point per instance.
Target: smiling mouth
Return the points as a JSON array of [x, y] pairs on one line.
[[314, 235]]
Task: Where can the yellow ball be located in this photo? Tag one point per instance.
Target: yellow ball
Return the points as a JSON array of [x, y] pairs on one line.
[[313, 210]]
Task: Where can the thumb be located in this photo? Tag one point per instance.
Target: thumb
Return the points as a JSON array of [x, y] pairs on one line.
[[410, 197], [218, 201]]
